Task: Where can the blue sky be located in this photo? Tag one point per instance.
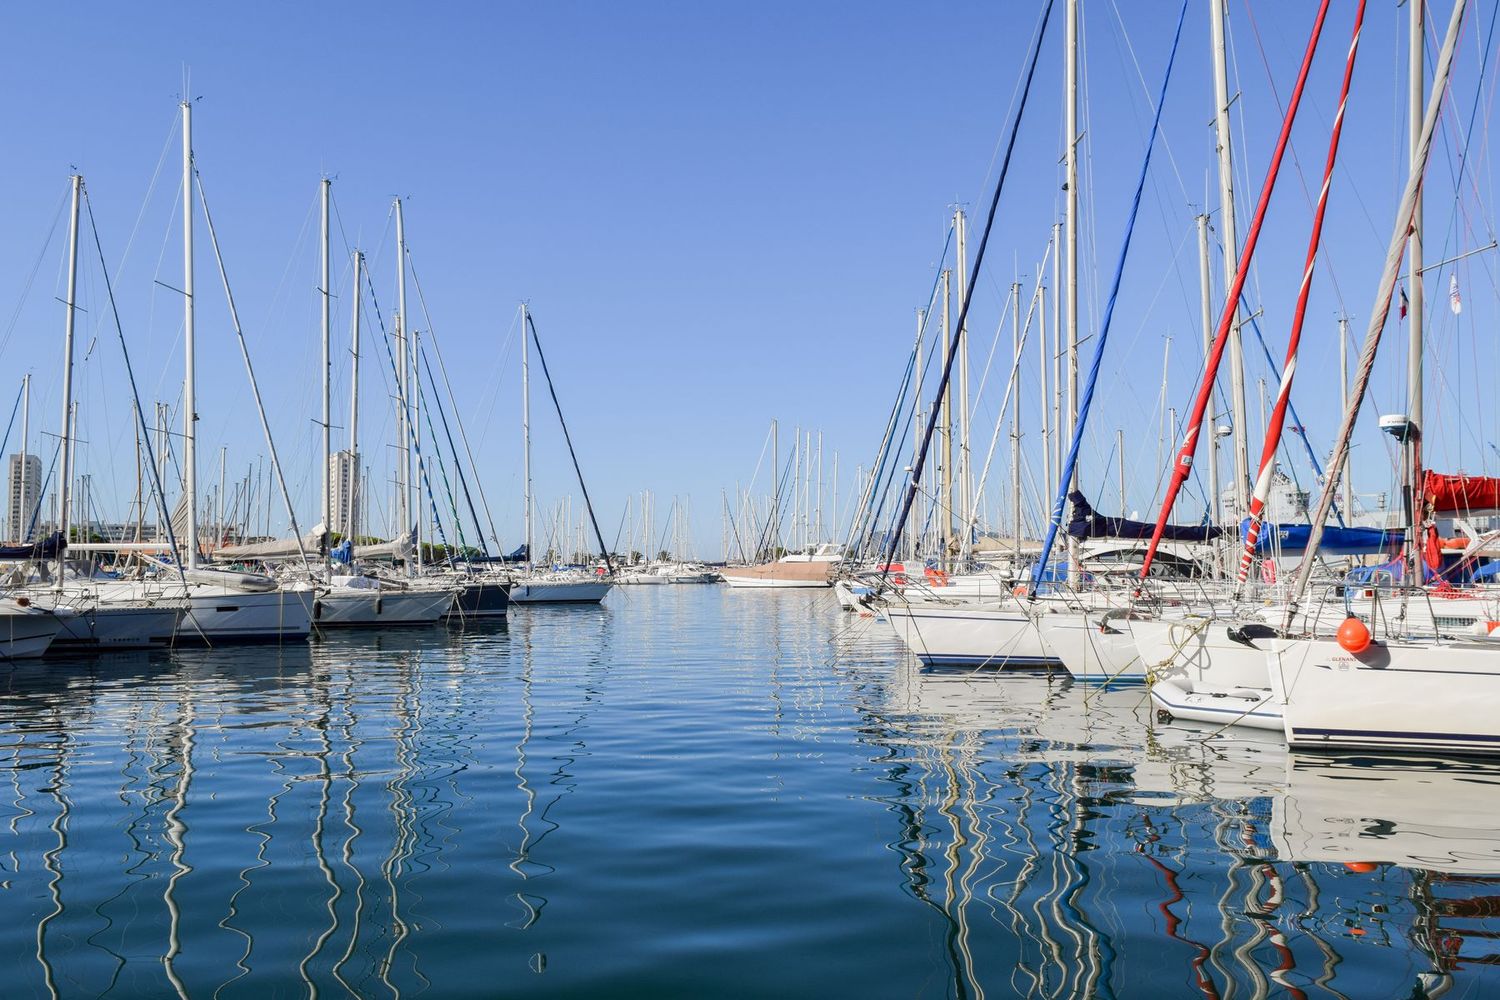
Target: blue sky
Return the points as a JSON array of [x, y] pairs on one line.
[[719, 213]]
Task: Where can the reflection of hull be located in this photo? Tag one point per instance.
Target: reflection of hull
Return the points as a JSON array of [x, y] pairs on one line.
[[374, 607], [223, 614], [1438, 815], [990, 636], [1093, 648], [1403, 695], [559, 591], [1209, 671]]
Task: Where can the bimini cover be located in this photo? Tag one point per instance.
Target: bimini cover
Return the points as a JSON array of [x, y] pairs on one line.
[[1086, 523]]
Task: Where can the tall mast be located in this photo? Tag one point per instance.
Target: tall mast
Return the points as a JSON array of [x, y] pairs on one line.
[[526, 426], [1015, 428], [945, 428], [1041, 354], [775, 487], [323, 190], [1057, 388], [1348, 480], [916, 431], [1231, 257], [1205, 307], [66, 457], [965, 493], [403, 434], [190, 377], [414, 384], [1070, 159], [354, 492], [1414, 358]]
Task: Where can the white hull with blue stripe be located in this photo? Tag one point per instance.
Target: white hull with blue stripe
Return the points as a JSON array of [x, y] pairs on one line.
[[1411, 695]]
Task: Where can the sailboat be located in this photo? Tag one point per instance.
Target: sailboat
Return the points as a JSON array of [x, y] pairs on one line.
[[223, 606], [83, 617], [552, 587]]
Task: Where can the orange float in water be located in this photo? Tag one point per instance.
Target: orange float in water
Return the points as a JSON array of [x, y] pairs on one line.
[[1354, 635], [1363, 867]]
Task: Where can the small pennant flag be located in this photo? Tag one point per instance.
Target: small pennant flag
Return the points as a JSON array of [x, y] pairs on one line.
[[1454, 302], [1403, 302]]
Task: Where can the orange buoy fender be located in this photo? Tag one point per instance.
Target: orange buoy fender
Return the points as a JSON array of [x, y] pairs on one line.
[[1354, 635]]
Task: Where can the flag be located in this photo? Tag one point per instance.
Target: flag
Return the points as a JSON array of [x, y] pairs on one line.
[[1454, 302], [1403, 301]]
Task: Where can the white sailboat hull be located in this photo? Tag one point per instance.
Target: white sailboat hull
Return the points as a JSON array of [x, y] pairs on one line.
[[1092, 648], [26, 633], [356, 607], [222, 614], [969, 636], [559, 591], [1441, 696]]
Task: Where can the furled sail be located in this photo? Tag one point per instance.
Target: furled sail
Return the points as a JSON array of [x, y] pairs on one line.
[[1087, 523], [46, 548], [1461, 494]]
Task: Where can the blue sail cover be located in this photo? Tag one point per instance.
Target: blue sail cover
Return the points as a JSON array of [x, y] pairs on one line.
[[1086, 523], [1289, 539]]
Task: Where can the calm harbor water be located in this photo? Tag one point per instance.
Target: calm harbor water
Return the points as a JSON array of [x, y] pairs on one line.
[[692, 791]]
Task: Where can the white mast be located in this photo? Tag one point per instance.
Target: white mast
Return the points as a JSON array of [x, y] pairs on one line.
[[1205, 310], [1015, 428], [917, 424], [354, 491], [403, 435], [323, 189], [965, 493], [526, 426], [1348, 479], [1070, 155], [66, 458], [190, 377], [414, 385], [1057, 388], [1414, 358], [1042, 395], [945, 429], [1231, 258]]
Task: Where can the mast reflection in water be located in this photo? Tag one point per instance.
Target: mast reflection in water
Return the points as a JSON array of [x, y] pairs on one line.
[[691, 791]]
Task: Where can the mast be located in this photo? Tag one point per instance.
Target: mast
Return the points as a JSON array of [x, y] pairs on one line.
[[945, 429], [1380, 311], [414, 384], [1348, 482], [1057, 387], [1120, 454], [526, 427], [1015, 427], [190, 377], [354, 491], [403, 435], [1070, 159], [1414, 356], [1231, 257], [965, 492], [323, 190], [1041, 354], [66, 458], [1205, 308], [916, 431]]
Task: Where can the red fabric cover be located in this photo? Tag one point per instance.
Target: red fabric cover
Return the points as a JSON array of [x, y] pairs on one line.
[[1460, 494]]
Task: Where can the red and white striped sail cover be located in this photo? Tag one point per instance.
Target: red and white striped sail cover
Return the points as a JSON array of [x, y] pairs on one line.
[[1461, 494]]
